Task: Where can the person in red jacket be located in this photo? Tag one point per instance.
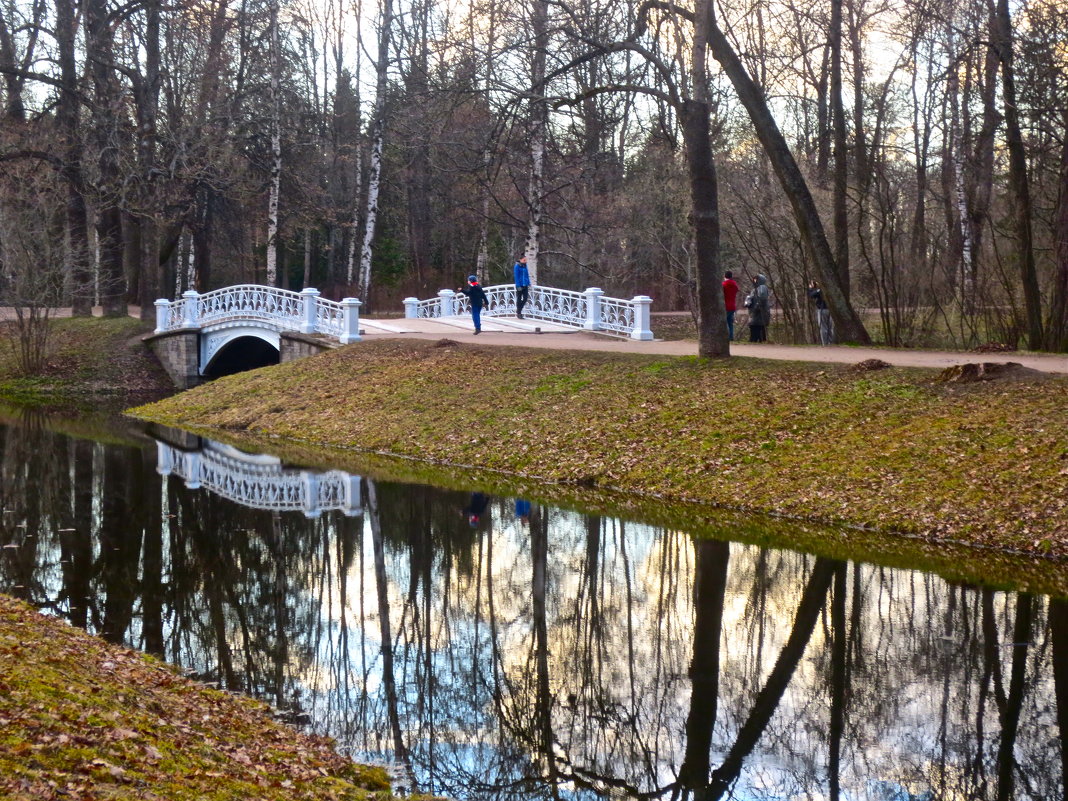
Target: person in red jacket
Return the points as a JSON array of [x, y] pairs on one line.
[[730, 300]]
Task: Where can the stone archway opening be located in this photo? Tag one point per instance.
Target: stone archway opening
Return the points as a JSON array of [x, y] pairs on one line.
[[241, 354]]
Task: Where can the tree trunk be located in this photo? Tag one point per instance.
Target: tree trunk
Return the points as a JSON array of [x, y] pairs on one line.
[[378, 135], [81, 278], [712, 336], [767, 700], [823, 125], [1057, 327], [539, 126], [839, 689], [1058, 623], [710, 584], [105, 111], [276, 152], [1010, 715], [847, 322], [1019, 184], [841, 161], [147, 96]]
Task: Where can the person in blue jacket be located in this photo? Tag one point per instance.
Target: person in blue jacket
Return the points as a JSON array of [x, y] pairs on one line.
[[522, 285], [478, 299]]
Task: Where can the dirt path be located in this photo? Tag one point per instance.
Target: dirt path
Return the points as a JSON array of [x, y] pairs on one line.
[[835, 354]]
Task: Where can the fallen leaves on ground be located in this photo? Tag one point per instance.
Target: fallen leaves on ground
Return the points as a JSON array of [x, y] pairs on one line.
[[80, 718]]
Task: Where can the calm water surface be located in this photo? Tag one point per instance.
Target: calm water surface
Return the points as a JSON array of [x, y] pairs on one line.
[[489, 651]]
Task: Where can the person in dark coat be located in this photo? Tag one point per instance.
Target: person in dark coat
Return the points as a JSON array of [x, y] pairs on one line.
[[521, 276], [823, 314], [477, 296], [758, 301]]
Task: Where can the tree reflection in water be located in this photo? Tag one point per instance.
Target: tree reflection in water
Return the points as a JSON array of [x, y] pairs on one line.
[[557, 656]]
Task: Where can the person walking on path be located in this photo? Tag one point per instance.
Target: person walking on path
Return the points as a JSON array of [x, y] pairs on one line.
[[521, 277], [823, 314], [730, 300], [758, 301], [477, 297]]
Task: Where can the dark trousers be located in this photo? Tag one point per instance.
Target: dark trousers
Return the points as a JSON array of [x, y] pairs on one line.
[[522, 294], [476, 317], [758, 333]]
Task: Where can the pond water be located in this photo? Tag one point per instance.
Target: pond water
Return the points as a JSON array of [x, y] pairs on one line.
[[490, 649]]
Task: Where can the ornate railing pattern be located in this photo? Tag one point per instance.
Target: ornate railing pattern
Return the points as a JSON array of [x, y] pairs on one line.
[[260, 482], [280, 309], [588, 310]]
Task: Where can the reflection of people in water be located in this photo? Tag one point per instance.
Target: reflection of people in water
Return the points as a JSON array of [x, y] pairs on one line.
[[476, 508], [522, 511]]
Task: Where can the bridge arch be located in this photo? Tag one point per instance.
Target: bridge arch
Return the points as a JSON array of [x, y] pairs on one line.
[[232, 348]]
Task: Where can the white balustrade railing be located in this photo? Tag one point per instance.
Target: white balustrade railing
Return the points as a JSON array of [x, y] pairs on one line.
[[303, 311], [588, 310], [260, 482]]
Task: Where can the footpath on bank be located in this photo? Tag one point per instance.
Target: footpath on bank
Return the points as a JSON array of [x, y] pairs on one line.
[[835, 354]]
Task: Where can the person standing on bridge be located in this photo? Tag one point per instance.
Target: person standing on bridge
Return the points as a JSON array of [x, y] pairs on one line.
[[477, 297], [522, 285]]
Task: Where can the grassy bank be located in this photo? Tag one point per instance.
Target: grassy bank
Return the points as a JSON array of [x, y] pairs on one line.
[[83, 719], [889, 450], [92, 363]]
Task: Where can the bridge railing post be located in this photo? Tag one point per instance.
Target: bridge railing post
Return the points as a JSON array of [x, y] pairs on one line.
[[350, 308], [311, 494], [641, 330], [192, 481], [411, 308], [163, 314], [593, 308], [446, 303], [353, 502], [191, 297], [310, 297], [164, 458]]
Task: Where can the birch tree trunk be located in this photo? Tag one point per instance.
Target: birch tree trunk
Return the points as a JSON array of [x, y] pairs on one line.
[[539, 126], [374, 180], [276, 152], [350, 259], [357, 155], [482, 259]]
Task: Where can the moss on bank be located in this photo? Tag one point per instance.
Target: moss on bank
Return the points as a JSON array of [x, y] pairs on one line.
[[890, 451], [80, 718]]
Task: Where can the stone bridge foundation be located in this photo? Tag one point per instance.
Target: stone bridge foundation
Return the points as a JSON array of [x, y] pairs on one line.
[[179, 352]]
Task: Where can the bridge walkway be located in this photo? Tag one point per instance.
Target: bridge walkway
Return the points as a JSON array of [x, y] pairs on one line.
[[459, 324]]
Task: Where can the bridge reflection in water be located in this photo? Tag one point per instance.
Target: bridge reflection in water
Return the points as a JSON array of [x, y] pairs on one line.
[[259, 481], [540, 652]]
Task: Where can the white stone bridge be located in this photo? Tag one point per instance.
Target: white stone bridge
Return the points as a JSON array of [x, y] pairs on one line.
[[252, 325], [246, 326], [260, 481]]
